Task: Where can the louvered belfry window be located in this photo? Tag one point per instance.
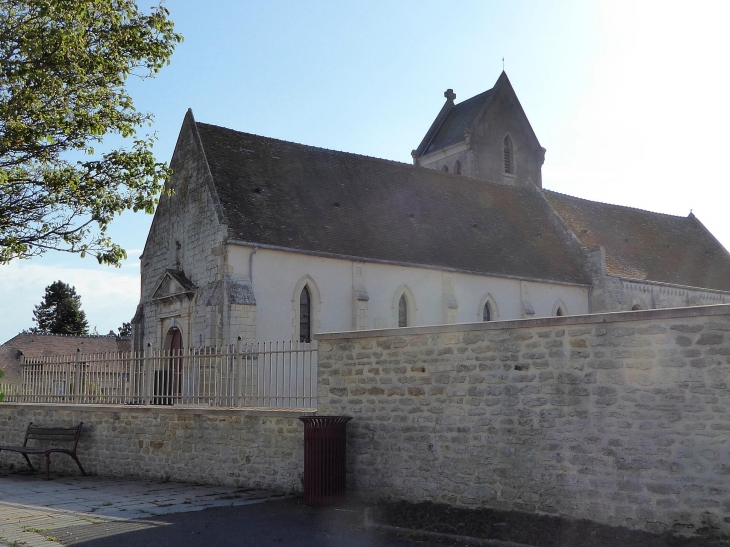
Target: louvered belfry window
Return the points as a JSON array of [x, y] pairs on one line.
[[305, 320], [508, 159], [402, 311]]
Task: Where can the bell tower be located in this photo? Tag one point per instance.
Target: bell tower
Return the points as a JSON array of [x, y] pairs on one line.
[[486, 137]]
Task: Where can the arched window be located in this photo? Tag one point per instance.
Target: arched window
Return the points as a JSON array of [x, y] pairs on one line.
[[487, 312], [508, 151], [404, 308], [402, 311], [306, 306], [445, 169], [305, 316], [457, 167], [560, 309], [635, 307]]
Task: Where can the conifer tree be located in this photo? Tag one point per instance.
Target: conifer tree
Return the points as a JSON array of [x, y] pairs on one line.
[[125, 329], [60, 311]]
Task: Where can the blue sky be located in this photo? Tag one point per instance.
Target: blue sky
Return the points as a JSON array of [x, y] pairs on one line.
[[628, 98]]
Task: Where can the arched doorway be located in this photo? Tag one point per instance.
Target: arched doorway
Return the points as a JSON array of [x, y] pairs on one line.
[[168, 378]]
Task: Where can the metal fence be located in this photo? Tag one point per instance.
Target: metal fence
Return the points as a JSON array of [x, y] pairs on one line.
[[8, 390], [280, 375]]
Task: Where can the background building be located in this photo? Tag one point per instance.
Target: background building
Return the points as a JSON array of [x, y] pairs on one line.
[[272, 240]]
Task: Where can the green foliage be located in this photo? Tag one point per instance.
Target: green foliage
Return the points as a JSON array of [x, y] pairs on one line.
[[63, 68], [60, 311], [125, 329]]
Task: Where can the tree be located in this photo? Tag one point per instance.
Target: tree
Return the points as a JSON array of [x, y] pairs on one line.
[[63, 69], [60, 311], [125, 330]]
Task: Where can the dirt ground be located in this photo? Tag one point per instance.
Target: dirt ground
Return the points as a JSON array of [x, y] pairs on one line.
[[525, 528]]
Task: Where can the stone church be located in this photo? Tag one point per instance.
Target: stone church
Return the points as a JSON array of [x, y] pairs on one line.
[[272, 240]]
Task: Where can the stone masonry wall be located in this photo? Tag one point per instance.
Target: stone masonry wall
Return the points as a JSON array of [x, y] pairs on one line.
[[612, 293], [259, 450], [621, 418], [186, 234]]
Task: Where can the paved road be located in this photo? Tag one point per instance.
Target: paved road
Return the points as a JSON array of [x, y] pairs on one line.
[[32, 508], [275, 523], [97, 512]]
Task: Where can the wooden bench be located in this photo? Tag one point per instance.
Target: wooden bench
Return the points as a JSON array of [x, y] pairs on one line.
[[53, 434]]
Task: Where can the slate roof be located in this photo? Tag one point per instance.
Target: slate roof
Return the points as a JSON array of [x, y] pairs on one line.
[[644, 245], [42, 345], [311, 199], [460, 118]]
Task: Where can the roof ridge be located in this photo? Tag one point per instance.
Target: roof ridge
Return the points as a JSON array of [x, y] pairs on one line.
[[374, 158], [461, 118], [454, 176], [438, 121], [457, 177], [474, 97], [615, 204], [696, 220], [333, 192], [67, 335], [456, 108]]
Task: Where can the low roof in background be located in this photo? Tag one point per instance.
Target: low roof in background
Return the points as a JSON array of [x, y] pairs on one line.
[[43, 345], [647, 246]]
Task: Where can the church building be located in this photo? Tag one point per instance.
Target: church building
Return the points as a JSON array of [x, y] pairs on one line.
[[276, 241]]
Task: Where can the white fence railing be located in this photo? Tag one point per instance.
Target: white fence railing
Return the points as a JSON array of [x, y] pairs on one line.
[[8, 390], [271, 375]]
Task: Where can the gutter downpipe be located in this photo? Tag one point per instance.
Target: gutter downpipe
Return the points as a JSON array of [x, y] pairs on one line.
[[250, 265]]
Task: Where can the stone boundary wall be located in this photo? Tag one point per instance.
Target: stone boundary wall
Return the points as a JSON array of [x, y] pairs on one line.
[[622, 418], [205, 446]]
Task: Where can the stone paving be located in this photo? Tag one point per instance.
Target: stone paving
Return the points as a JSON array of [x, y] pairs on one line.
[[31, 508]]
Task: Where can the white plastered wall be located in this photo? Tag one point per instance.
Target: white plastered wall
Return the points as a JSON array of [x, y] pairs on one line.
[[278, 274]]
